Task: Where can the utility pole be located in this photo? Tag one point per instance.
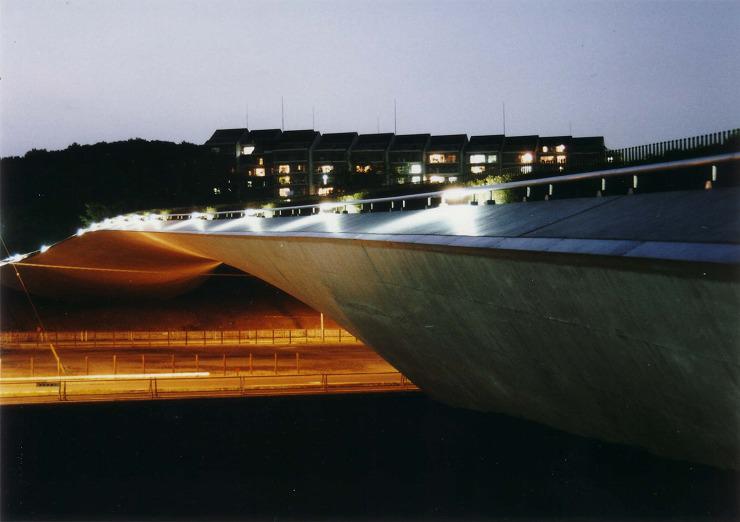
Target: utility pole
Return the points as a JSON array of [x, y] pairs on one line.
[[282, 114]]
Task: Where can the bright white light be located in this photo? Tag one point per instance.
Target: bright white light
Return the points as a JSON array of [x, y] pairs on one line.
[[437, 179], [247, 150], [328, 207], [452, 179], [43, 248], [81, 231], [325, 191], [415, 168], [250, 212], [327, 168], [325, 179], [545, 148], [560, 148], [195, 215], [259, 172], [284, 192], [415, 179], [477, 158], [527, 157]]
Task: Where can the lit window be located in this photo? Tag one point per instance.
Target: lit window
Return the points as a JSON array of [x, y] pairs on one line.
[[362, 169], [560, 148], [325, 191], [284, 192], [526, 170], [452, 179], [259, 171], [415, 168], [436, 158], [610, 159], [547, 159], [283, 169], [478, 158], [526, 157], [400, 181], [492, 158], [327, 168], [545, 148], [247, 150], [300, 167], [437, 179], [477, 169], [561, 159], [284, 180], [325, 179], [216, 191], [260, 161], [415, 179]]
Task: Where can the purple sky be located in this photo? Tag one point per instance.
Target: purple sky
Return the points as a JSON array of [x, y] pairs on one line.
[[635, 72]]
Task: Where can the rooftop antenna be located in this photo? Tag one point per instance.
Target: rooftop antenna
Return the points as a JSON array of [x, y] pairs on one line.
[[503, 110], [282, 114], [395, 120]]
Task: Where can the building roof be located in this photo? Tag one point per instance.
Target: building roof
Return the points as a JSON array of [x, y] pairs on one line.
[[554, 141], [520, 143], [410, 142], [373, 141], [487, 143], [226, 137], [296, 139], [588, 144], [336, 141], [447, 143], [263, 139]]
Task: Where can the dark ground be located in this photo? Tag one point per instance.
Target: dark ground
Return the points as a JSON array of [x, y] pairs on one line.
[[350, 457]]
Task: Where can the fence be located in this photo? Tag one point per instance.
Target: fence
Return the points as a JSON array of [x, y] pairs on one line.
[[659, 150], [53, 389], [133, 338]]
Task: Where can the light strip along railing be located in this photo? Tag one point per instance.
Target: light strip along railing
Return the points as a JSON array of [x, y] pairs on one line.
[[443, 195], [458, 193]]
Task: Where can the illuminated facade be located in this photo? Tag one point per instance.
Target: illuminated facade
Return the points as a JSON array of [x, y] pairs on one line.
[[292, 167], [407, 158], [304, 162], [445, 158], [331, 162]]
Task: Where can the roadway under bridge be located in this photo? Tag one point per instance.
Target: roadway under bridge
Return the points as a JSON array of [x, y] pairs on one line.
[[613, 317]]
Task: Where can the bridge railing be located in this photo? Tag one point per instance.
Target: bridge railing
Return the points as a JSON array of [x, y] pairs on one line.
[[159, 338], [193, 384]]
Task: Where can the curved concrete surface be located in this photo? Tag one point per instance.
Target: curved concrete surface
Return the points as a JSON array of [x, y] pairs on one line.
[[608, 317]]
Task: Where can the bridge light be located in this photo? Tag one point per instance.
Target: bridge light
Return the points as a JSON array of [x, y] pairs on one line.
[[43, 248]]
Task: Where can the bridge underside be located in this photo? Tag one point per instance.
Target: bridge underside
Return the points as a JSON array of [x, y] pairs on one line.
[[612, 317]]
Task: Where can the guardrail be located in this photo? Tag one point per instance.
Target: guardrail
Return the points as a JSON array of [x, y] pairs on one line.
[[442, 195], [158, 386], [158, 338]]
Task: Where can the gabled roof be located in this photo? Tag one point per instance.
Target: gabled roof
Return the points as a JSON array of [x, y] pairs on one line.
[[588, 144], [447, 143], [410, 142], [296, 139], [520, 143], [336, 141], [226, 137], [487, 143], [373, 141]]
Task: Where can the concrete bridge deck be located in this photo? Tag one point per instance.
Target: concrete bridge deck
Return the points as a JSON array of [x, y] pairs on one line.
[[610, 317]]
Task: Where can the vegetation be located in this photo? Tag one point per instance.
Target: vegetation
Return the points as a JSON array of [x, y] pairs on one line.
[[46, 195]]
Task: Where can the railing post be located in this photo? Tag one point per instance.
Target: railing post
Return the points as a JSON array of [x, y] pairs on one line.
[[143, 363], [197, 363], [115, 365], [87, 366], [275, 363], [173, 363], [224, 363]]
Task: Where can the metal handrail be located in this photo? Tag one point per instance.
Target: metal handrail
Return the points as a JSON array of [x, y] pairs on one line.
[[463, 191]]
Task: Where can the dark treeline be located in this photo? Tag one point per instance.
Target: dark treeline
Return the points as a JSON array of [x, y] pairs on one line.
[[47, 195]]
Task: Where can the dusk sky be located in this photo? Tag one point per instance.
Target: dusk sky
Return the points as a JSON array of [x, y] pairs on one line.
[[634, 72]]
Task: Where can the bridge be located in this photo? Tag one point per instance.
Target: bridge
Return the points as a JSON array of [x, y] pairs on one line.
[[614, 317]]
